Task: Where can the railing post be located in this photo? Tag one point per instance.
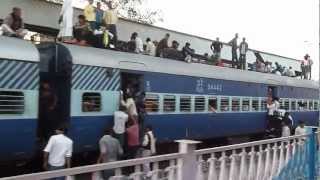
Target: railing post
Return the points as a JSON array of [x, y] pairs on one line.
[[187, 165], [312, 156]]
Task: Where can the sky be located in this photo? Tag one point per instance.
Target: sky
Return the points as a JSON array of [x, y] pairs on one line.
[[285, 27]]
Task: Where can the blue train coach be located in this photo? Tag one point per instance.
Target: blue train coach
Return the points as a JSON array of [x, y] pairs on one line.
[[183, 100]]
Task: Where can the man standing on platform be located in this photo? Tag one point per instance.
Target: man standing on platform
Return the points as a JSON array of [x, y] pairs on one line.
[[243, 52], [110, 150], [58, 152], [66, 21], [234, 46]]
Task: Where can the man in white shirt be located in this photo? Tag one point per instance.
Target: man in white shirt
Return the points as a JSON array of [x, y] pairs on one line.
[[151, 48], [285, 129], [291, 72], [300, 130], [58, 152], [120, 120], [149, 147], [274, 122], [139, 45]]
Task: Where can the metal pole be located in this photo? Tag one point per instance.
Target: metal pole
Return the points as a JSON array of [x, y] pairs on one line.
[[319, 60]]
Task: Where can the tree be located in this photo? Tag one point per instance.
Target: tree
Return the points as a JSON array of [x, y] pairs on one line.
[[134, 10]]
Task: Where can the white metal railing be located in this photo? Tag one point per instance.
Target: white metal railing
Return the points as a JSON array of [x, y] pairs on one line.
[[260, 160]]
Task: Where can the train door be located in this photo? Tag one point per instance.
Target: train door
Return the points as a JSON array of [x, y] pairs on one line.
[[132, 82], [273, 91], [55, 89]]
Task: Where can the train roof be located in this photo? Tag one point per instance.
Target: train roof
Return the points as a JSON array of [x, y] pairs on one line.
[[13, 48], [138, 62]]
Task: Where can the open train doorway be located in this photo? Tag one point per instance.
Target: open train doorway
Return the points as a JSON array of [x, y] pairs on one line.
[[132, 85], [272, 91], [55, 89], [131, 82]]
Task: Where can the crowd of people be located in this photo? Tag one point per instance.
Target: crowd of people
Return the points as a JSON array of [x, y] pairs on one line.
[[280, 122], [98, 28], [129, 137]]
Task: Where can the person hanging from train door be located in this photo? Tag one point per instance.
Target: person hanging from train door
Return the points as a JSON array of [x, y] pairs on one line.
[[120, 120], [141, 108], [130, 104], [272, 106], [48, 103]]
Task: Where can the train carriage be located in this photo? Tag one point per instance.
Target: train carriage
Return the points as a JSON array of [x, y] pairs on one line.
[[183, 100]]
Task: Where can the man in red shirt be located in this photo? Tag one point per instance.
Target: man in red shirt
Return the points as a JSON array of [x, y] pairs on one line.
[[133, 140]]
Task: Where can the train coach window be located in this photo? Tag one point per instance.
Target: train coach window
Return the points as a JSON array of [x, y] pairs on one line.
[[255, 105], [263, 104], [293, 105], [301, 105], [315, 106], [310, 105], [224, 104], [199, 103], [152, 103], [286, 104], [246, 104], [185, 104], [235, 104], [91, 102], [213, 104], [11, 102], [169, 103]]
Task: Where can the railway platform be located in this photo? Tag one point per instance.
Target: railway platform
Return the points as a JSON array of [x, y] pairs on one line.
[[294, 158]]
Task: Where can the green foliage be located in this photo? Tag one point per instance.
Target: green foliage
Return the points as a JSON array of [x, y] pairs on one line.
[[134, 10]]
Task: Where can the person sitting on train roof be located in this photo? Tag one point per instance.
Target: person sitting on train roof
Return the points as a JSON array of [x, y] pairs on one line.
[[13, 25], [187, 52], [82, 32], [150, 48], [291, 72], [172, 52], [219, 63], [163, 44]]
